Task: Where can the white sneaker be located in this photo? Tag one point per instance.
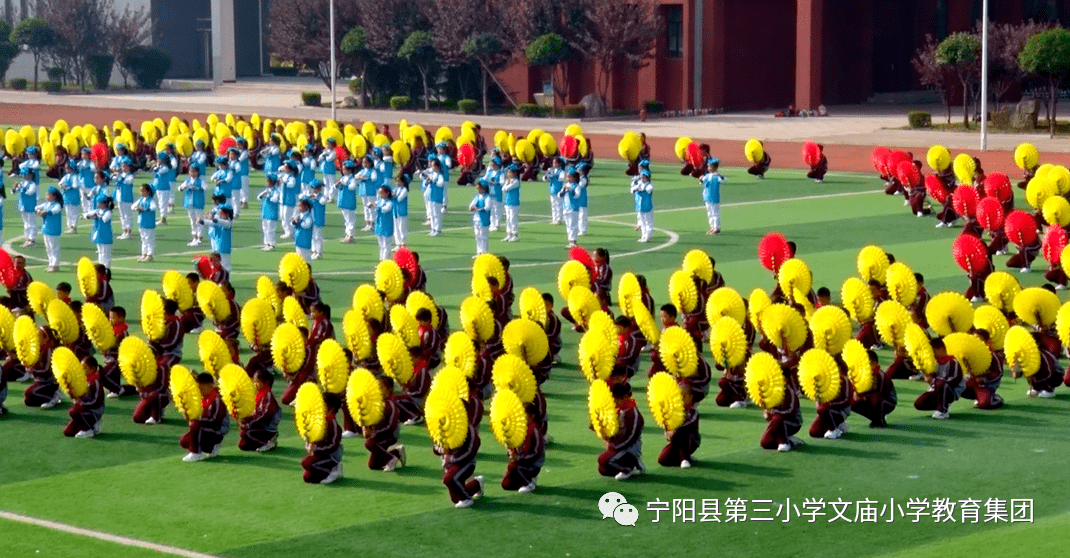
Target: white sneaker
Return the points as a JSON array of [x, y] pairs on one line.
[[435, 233], [151, 420], [349, 434], [52, 402], [112, 395], [738, 405], [192, 243], [285, 235], [464, 504], [784, 447], [833, 434], [335, 474], [367, 228], [266, 248], [906, 202], [940, 225], [193, 457], [479, 479], [85, 434], [527, 488], [389, 467], [1031, 392], [624, 475], [976, 299], [97, 426], [401, 453], [215, 451], [685, 464], [272, 444], [1060, 287], [919, 214], [1046, 394], [492, 228], [1024, 270], [941, 416]]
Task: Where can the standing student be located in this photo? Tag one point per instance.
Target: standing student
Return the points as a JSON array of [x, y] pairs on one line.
[[385, 164], [124, 197], [71, 184], [288, 206], [199, 158], [222, 178], [260, 431], [368, 179], [161, 184], [234, 168], [193, 187], [711, 195], [384, 221], [102, 233], [556, 177], [87, 169], [220, 233], [570, 194], [87, 411], [269, 210], [243, 173], [480, 217], [302, 227], [445, 164], [27, 191], [622, 457], [347, 200], [319, 217], [308, 168], [643, 190], [50, 212], [206, 433], [172, 176], [401, 211], [511, 191], [492, 179], [581, 197], [328, 159], [272, 154], [434, 185], [146, 223]]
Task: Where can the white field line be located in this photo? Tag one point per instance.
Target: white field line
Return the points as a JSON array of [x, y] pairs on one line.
[[101, 536]]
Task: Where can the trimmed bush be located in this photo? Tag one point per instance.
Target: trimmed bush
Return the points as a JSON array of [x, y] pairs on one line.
[[354, 86], [18, 84], [56, 74], [400, 102], [654, 107], [311, 98], [468, 106], [529, 109], [919, 119], [573, 111], [100, 66], [283, 71], [51, 86], [147, 64]]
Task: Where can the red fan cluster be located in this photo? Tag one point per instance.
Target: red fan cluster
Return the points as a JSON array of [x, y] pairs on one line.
[[936, 188], [773, 251], [964, 200], [581, 255], [694, 156], [990, 214], [908, 174], [407, 260], [466, 155], [341, 153], [99, 155], [880, 160], [7, 269], [998, 186], [1021, 228], [970, 253], [204, 266], [1054, 243], [569, 147], [226, 144], [811, 153]]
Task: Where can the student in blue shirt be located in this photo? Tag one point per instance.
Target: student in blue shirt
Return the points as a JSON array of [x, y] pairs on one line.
[[434, 185], [347, 199], [71, 184], [319, 217], [50, 212], [511, 191], [222, 178], [161, 184], [272, 155], [243, 172], [328, 167], [385, 164], [146, 207], [401, 211], [234, 168], [571, 207], [102, 235], [290, 189], [480, 208], [27, 192], [492, 179], [555, 175], [219, 232], [86, 170], [193, 187], [124, 196], [445, 164], [302, 227], [269, 210], [368, 179], [583, 169], [643, 190], [711, 194], [199, 157], [384, 221], [307, 169]]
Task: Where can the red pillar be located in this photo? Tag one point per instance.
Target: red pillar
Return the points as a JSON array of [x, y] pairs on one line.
[[808, 54]]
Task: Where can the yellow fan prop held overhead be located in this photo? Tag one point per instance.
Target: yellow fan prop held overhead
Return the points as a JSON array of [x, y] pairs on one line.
[[388, 278], [989, 319], [698, 264], [394, 357], [176, 288], [213, 352], [764, 381], [367, 301], [572, 274], [508, 419], [294, 271], [597, 356], [728, 343], [213, 302], [332, 367], [418, 300], [532, 306], [682, 291], [258, 322], [1001, 288], [666, 401], [136, 362], [949, 313], [526, 339], [831, 329], [602, 409], [970, 352], [892, 320], [61, 319], [857, 299], [364, 397], [403, 324], [784, 327], [288, 349], [511, 373], [1037, 307], [726, 301], [677, 352], [477, 319], [901, 283]]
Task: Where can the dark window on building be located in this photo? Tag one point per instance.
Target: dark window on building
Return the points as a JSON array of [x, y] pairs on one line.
[[674, 30]]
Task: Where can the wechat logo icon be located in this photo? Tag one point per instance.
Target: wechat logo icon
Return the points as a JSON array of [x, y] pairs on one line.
[[615, 505]]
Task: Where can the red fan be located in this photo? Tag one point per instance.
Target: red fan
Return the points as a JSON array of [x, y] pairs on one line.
[[964, 200], [569, 146], [7, 269], [226, 144], [990, 214], [99, 154], [466, 155], [1021, 228], [407, 260], [897, 156], [341, 154], [811, 153], [204, 266], [695, 156], [880, 160], [773, 251], [999, 186], [908, 174], [1054, 243], [581, 255], [936, 188], [970, 253]]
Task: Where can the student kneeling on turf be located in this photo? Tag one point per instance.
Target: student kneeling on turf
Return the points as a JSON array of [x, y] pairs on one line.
[[260, 431], [206, 433], [86, 411]]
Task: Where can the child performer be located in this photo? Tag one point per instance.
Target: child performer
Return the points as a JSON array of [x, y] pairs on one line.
[[124, 196], [581, 185], [87, 169], [457, 466], [199, 158], [288, 206], [684, 441], [480, 217], [347, 200], [206, 433], [556, 177], [146, 223], [435, 186], [319, 217], [761, 167], [492, 179], [571, 207], [51, 211], [260, 432], [86, 411], [27, 191], [111, 377], [302, 227], [194, 203], [643, 190], [102, 233], [622, 457], [511, 191], [381, 439], [269, 210], [161, 184], [711, 195], [384, 221], [369, 180], [220, 234], [526, 461], [784, 420], [323, 465], [945, 386], [328, 167], [71, 184], [817, 172], [401, 210]]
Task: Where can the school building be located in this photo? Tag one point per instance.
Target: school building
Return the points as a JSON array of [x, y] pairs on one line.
[[757, 54]]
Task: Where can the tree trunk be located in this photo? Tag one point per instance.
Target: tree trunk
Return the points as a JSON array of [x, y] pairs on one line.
[[427, 98], [1054, 92], [484, 72], [553, 91], [965, 104], [36, 64], [499, 84], [362, 98]]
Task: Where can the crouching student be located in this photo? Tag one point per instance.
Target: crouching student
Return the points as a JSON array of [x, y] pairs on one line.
[[206, 433], [260, 432], [86, 411]]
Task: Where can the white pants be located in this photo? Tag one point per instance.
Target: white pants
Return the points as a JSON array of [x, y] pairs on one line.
[[224, 259], [195, 228], [305, 254], [328, 185], [555, 209], [72, 215], [639, 219], [427, 203], [582, 221], [384, 247], [369, 210], [269, 231], [445, 197], [125, 215], [495, 214], [512, 220], [572, 219], [713, 215], [245, 189], [87, 202], [163, 199], [481, 237], [401, 230], [317, 240], [646, 225], [52, 249], [104, 254], [436, 217], [286, 215], [148, 241], [29, 226], [349, 217]]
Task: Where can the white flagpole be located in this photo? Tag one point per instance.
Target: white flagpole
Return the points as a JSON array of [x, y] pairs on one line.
[[984, 75]]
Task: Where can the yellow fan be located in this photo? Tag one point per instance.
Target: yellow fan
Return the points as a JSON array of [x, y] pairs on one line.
[[758, 302], [1000, 290], [892, 320], [489, 265], [153, 320], [87, 277], [288, 348], [765, 381], [447, 420], [857, 299], [394, 357], [1064, 260], [754, 151], [680, 147], [682, 291], [213, 352], [136, 362], [176, 288], [526, 339], [995, 323], [970, 351], [513, 374], [69, 372], [920, 350], [419, 299], [27, 341], [795, 275], [405, 326], [388, 279], [532, 306], [573, 130], [332, 367], [629, 294], [258, 321], [726, 302], [237, 391], [728, 342], [784, 327], [364, 398], [901, 283], [872, 264], [481, 288], [964, 168], [1061, 176], [819, 376], [1037, 307], [477, 319], [265, 290], [184, 393], [859, 372], [666, 401], [451, 379], [597, 356], [358, 336], [949, 313], [602, 410], [310, 413], [508, 419], [602, 322], [582, 303], [62, 320], [1039, 190], [572, 274], [459, 352], [7, 328], [368, 302], [1056, 211], [938, 157], [699, 264], [213, 301], [831, 328], [292, 313], [1026, 156], [294, 271], [646, 324], [39, 295], [1023, 355], [677, 352]]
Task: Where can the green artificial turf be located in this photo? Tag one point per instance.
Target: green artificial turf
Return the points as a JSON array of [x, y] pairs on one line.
[[130, 480]]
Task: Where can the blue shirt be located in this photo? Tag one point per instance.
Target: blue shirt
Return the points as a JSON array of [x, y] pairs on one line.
[[644, 196], [272, 159], [289, 189], [384, 217], [401, 201], [303, 231], [161, 177], [327, 159], [172, 174], [125, 188], [102, 233], [556, 177], [369, 181], [27, 191], [307, 170], [492, 178], [581, 198], [235, 175], [70, 183], [445, 163], [385, 167], [435, 185], [51, 222], [572, 197], [511, 191], [86, 170], [199, 159], [347, 194], [319, 210], [145, 219], [711, 187], [481, 216], [269, 207], [222, 178], [219, 232], [243, 163], [194, 193]]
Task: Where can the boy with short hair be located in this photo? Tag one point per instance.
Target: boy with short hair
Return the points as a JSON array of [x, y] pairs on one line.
[[86, 411], [260, 431], [622, 457], [945, 385], [206, 433]]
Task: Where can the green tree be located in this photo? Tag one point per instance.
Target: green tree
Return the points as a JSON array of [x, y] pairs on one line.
[[550, 50], [37, 35], [420, 54], [962, 53], [8, 51], [1047, 55], [488, 50], [355, 45]]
